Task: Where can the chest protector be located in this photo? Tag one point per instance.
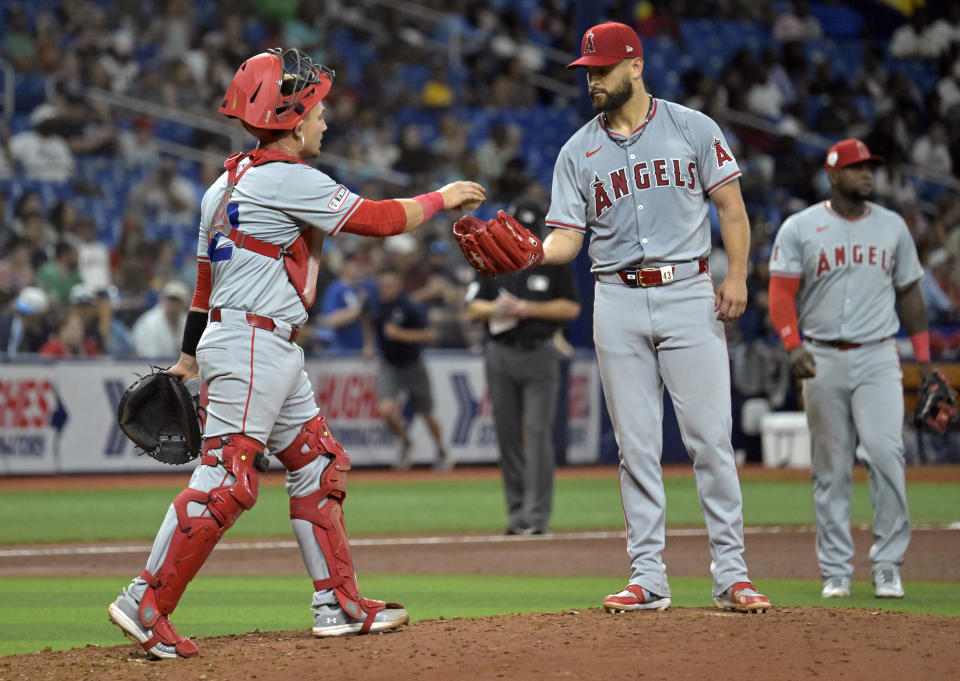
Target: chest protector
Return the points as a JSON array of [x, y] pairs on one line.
[[301, 257]]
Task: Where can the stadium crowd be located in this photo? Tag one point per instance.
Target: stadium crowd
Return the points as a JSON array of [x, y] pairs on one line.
[[99, 205]]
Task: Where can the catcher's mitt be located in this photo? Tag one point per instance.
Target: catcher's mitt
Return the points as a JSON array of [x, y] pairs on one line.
[[161, 415], [936, 404], [497, 246]]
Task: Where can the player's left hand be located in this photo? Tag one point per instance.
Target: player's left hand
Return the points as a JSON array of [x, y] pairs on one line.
[[731, 299]]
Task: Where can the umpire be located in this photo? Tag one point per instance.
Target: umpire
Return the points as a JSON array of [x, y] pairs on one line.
[[523, 312]]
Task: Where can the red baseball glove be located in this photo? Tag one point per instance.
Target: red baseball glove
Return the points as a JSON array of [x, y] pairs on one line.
[[498, 246]]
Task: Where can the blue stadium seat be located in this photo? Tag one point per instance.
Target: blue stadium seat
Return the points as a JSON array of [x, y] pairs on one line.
[[30, 90]]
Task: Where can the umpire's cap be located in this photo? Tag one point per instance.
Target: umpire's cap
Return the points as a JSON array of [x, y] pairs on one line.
[[275, 89]]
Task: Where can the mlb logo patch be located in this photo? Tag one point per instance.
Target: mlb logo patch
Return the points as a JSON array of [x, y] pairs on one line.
[[339, 196]]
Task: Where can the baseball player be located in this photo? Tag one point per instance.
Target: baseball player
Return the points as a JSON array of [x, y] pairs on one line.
[[638, 177], [261, 226], [838, 271]]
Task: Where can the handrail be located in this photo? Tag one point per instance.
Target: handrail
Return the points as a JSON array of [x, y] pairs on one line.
[[9, 88]]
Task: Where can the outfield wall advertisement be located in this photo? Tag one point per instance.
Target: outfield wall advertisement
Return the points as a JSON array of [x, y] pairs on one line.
[[61, 417]]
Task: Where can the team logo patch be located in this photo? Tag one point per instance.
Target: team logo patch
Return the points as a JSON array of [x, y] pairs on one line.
[[723, 156], [588, 47], [832, 159], [336, 203]]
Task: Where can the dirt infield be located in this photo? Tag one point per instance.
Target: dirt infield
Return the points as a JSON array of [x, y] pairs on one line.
[[681, 643]]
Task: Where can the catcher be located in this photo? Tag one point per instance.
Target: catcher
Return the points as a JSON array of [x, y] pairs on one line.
[[262, 225], [842, 272]]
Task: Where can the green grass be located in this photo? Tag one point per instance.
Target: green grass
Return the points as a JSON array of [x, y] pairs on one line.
[[443, 506], [281, 602]]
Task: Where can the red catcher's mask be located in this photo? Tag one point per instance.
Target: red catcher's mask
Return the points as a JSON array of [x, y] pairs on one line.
[[275, 89]]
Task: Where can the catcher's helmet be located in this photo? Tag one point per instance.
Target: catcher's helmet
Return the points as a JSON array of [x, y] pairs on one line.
[[275, 89]]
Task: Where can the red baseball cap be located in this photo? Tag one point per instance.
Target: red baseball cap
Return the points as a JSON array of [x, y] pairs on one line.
[[848, 152], [607, 44]]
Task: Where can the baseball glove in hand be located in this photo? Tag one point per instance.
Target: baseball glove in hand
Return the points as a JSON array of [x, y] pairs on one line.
[[936, 404], [161, 415], [498, 246]]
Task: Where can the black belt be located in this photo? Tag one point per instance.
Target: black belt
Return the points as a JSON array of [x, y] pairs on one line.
[[520, 343]]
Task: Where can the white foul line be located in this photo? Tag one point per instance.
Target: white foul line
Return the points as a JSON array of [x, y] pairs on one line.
[[273, 545]]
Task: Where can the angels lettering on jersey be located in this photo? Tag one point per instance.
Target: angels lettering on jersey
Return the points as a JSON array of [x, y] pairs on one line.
[[655, 173], [834, 258]]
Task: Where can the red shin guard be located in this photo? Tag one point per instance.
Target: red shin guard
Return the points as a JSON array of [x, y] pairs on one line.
[[314, 440], [196, 536]]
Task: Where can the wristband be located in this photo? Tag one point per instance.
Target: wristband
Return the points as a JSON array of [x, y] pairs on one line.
[[431, 203], [192, 330], [921, 346]]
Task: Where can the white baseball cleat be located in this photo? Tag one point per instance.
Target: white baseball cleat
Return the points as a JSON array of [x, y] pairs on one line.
[[836, 587], [886, 583]]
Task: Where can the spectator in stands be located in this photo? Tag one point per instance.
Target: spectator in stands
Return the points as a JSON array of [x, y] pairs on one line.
[[59, 275], [69, 340], [165, 197], [43, 154], [131, 265], [512, 89], [30, 224], [415, 158], [944, 33], [16, 269], [493, 153], [138, 146], [907, 42], [436, 92], [938, 282], [95, 308], [157, 333], [795, 23], [93, 256], [118, 61], [442, 296], [18, 44], [931, 152], [343, 302], [25, 328]]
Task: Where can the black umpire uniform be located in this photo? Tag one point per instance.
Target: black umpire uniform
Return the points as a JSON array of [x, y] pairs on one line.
[[523, 310]]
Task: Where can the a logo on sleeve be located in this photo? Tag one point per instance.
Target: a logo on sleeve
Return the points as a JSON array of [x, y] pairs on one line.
[[336, 203], [723, 156]]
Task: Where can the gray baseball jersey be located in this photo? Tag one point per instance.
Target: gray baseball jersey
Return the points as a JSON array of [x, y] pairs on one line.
[[273, 202], [849, 269], [643, 197]]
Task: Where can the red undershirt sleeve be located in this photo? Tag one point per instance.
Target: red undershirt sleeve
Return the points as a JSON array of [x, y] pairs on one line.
[[377, 218], [201, 294], [783, 309]]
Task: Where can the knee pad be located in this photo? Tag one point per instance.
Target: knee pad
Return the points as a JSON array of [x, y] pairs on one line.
[[191, 545], [324, 510]]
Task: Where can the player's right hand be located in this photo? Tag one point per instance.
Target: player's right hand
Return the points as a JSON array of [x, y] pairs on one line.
[[802, 363], [462, 195]]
